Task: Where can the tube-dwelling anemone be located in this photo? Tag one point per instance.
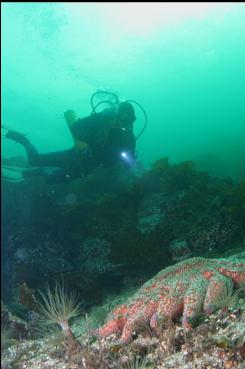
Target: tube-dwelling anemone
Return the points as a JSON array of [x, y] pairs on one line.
[[59, 307]]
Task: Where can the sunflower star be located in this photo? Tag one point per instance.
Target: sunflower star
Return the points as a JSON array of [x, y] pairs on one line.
[[184, 289]]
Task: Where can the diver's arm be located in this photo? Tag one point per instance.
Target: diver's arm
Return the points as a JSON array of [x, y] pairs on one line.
[[129, 158], [130, 145]]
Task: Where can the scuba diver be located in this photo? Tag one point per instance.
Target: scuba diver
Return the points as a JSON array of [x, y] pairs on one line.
[[102, 139]]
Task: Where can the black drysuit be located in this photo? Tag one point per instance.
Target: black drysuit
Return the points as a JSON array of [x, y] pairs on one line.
[[106, 143]]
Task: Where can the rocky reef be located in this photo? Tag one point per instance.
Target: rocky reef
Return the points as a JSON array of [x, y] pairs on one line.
[[111, 232]]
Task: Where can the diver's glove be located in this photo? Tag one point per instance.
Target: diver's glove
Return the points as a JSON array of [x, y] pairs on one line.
[[17, 136]]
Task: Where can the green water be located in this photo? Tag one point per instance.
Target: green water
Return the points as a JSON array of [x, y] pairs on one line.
[[185, 63]]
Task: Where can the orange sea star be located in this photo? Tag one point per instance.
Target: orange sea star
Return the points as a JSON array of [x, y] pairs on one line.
[[186, 288]]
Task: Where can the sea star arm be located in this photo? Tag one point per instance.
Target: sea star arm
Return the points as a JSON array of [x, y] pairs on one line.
[[114, 325], [170, 305], [108, 328], [193, 301], [139, 318], [238, 276]]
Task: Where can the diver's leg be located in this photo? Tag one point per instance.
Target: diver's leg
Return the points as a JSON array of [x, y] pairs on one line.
[[31, 151], [56, 159], [36, 159]]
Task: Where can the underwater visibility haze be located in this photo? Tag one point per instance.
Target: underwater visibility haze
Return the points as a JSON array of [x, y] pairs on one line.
[[123, 185], [183, 62]]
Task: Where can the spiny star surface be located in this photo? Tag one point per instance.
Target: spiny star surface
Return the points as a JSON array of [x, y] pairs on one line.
[[184, 289]]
